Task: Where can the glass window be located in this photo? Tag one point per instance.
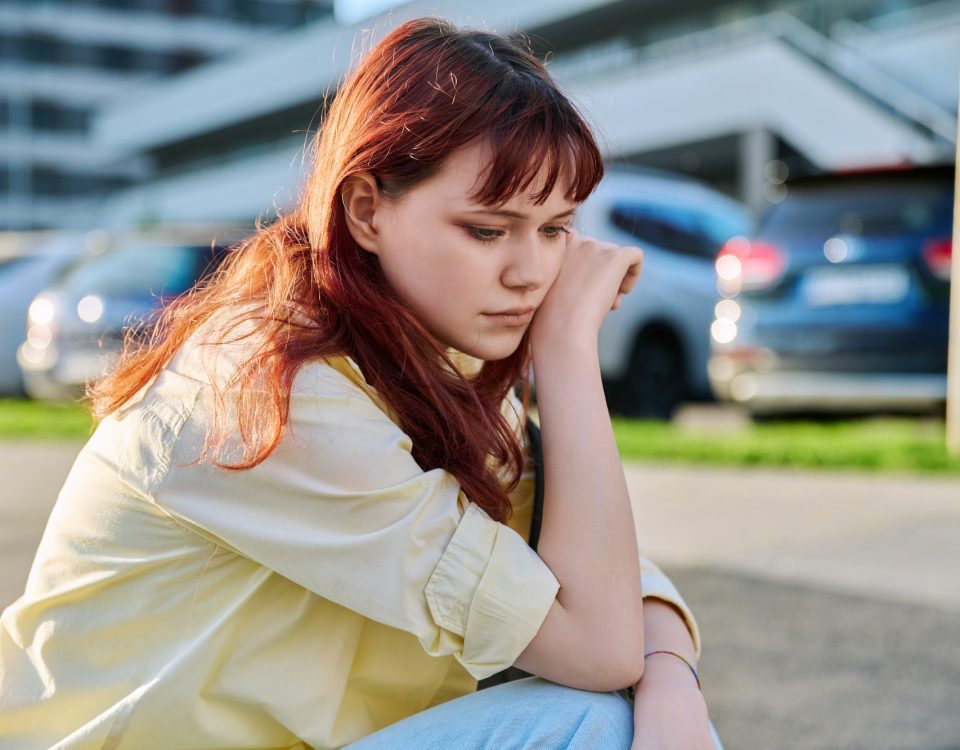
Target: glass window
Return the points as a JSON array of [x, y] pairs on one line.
[[117, 58], [9, 47], [677, 228], [878, 206], [18, 261], [150, 6], [82, 55], [152, 61], [139, 271], [40, 48], [286, 14], [49, 115], [182, 61], [45, 181], [217, 8]]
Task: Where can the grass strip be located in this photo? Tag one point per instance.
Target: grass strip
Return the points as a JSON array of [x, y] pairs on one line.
[[46, 420], [875, 444]]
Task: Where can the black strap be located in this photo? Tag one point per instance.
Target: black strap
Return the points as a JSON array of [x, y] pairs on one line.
[[533, 431]]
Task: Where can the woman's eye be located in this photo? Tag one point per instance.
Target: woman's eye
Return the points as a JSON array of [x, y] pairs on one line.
[[489, 234], [554, 233], [485, 234]]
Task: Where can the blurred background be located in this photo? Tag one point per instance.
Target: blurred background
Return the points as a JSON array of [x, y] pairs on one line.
[[177, 123], [777, 379]]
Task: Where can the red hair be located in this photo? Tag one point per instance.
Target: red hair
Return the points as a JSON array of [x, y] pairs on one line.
[[426, 90]]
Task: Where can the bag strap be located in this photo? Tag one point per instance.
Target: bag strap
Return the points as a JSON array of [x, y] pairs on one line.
[[533, 431]]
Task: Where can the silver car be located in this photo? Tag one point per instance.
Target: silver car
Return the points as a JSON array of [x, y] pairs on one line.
[[76, 326], [25, 271], [655, 347]]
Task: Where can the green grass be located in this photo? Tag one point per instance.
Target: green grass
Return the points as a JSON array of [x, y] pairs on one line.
[[888, 444], [43, 420]]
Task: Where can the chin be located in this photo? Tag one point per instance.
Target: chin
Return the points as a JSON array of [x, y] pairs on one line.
[[491, 351]]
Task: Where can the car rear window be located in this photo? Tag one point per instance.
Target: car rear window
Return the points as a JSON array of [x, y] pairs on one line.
[[877, 207], [678, 228], [7, 264], [138, 271]]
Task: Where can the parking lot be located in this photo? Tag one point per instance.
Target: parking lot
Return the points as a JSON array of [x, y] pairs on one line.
[[829, 602]]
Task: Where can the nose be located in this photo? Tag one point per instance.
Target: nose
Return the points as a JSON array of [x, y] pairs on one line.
[[525, 265]]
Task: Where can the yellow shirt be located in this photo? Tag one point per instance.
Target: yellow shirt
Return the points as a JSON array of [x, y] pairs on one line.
[[330, 591]]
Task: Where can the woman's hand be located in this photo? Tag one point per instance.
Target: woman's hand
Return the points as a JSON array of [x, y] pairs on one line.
[[669, 712], [592, 279]]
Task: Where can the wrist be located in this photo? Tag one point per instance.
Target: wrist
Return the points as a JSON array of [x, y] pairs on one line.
[[546, 342], [668, 671]]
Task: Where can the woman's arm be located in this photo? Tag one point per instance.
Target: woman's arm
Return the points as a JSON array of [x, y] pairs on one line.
[[669, 712], [665, 628], [593, 637]]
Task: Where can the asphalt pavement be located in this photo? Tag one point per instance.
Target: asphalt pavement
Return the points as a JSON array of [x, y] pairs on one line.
[[828, 602]]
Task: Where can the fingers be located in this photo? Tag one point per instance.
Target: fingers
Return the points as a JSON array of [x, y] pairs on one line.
[[628, 257]]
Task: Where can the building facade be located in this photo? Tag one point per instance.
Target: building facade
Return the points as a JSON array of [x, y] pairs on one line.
[[63, 60], [740, 94]]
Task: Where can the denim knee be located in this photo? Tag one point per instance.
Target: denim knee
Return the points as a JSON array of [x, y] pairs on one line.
[[604, 720]]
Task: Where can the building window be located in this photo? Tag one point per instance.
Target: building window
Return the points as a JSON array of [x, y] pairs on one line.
[[117, 58], [182, 8], [183, 61], [82, 56], [53, 116], [42, 48], [217, 8], [54, 183], [150, 6]]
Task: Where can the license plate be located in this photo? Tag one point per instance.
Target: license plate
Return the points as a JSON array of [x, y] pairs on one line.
[[880, 284]]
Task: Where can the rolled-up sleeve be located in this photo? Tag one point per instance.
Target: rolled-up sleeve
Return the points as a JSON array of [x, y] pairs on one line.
[[655, 583], [491, 589], [342, 508]]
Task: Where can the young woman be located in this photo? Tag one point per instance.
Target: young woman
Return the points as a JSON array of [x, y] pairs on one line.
[[304, 519]]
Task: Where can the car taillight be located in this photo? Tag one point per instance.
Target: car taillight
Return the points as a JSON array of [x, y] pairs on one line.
[[745, 265], [938, 255]]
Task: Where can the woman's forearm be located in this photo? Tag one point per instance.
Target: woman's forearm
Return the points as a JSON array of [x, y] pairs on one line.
[[668, 708], [665, 628], [588, 536]]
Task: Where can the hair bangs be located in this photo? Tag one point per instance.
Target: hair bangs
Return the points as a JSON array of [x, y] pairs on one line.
[[537, 135]]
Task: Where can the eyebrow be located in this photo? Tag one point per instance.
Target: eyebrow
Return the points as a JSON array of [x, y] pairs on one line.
[[517, 214]]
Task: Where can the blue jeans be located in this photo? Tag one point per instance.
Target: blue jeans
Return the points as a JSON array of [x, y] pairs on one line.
[[526, 714]]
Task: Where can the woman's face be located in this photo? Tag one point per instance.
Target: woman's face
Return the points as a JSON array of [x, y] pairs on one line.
[[456, 263]]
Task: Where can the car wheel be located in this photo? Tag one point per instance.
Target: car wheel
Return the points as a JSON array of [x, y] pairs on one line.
[[655, 383]]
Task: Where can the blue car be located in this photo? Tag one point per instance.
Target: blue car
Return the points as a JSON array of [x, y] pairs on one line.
[[839, 302]]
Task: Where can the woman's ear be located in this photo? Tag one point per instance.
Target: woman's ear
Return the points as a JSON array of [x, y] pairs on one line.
[[361, 199]]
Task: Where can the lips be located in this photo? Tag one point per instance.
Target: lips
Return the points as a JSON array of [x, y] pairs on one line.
[[513, 311], [517, 317]]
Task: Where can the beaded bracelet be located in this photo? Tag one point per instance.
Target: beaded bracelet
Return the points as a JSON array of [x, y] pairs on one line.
[[674, 653]]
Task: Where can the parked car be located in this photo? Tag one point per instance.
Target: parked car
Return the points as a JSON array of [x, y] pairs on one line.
[[840, 301], [654, 348], [76, 326], [29, 267]]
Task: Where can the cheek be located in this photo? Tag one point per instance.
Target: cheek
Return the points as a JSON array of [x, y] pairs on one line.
[[555, 264], [430, 269]]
